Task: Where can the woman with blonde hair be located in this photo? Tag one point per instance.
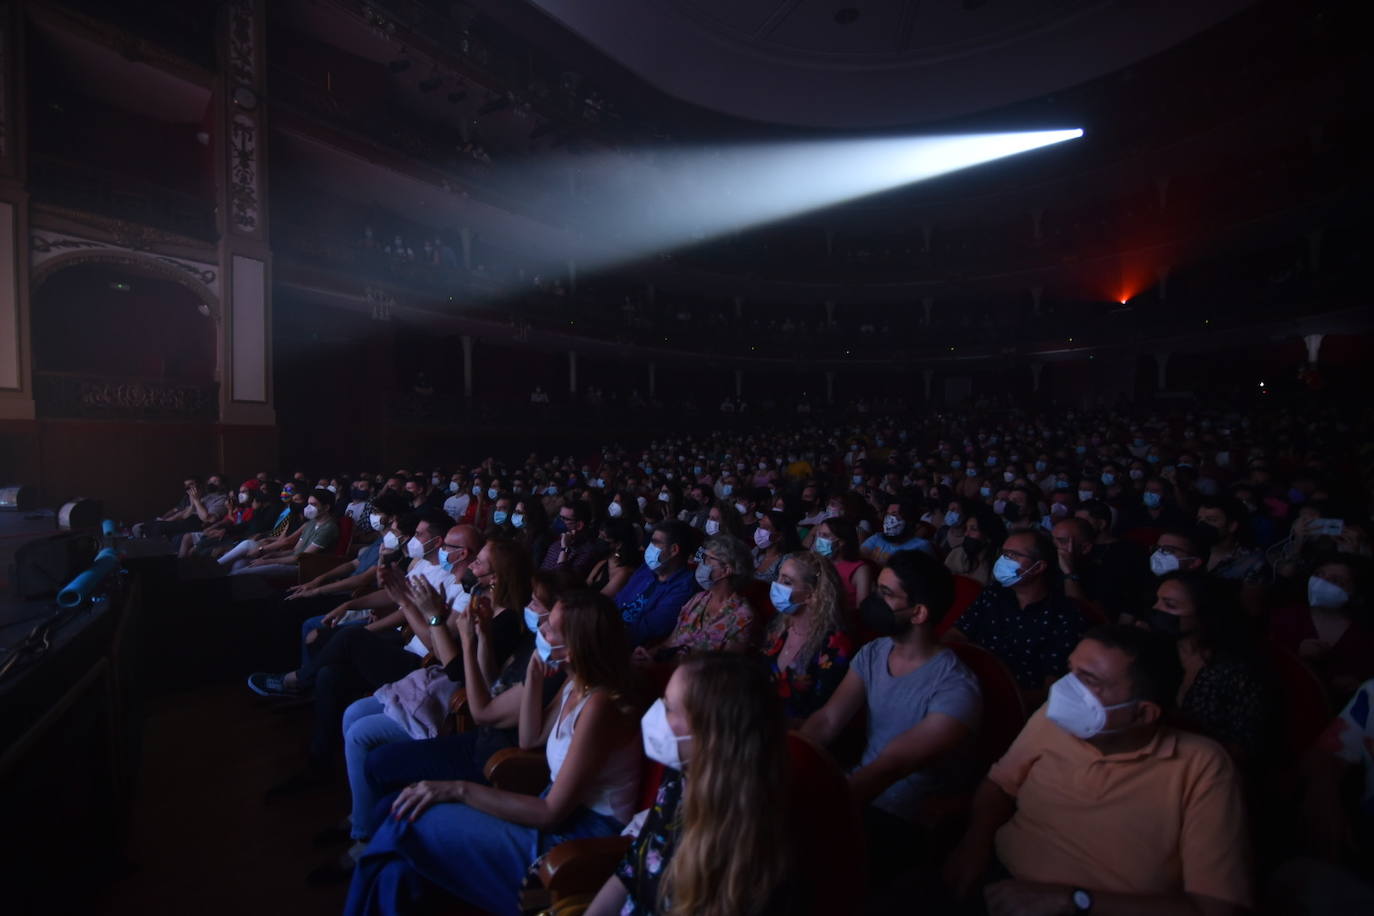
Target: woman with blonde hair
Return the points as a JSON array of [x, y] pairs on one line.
[[715, 842], [808, 644]]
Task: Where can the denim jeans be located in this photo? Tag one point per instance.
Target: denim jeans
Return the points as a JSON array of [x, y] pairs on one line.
[[365, 726]]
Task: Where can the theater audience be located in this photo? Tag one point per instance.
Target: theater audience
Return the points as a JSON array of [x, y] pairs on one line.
[[836, 539], [716, 839], [921, 706], [1331, 630], [475, 842], [281, 556], [358, 572], [898, 533], [621, 539], [574, 546], [775, 537], [982, 536], [1099, 806], [808, 643]]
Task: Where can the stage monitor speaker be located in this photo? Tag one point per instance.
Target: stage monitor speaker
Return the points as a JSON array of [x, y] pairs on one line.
[[19, 498], [41, 567], [80, 513]]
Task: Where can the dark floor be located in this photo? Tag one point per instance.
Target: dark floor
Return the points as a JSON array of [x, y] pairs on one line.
[[202, 839]]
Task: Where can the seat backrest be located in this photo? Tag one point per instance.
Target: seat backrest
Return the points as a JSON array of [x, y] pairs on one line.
[[1094, 613], [757, 594], [1306, 708], [1145, 537], [345, 536], [826, 821], [966, 590], [1004, 711]]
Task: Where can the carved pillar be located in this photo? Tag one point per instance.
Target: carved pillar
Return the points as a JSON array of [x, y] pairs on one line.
[[16, 376], [467, 366], [241, 183]]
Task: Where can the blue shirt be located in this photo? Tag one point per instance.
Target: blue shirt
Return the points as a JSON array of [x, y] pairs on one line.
[[649, 607], [369, 555]]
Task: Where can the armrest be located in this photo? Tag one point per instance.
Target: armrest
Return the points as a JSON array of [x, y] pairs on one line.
[[514, 770], [581, 866], [459, 717]]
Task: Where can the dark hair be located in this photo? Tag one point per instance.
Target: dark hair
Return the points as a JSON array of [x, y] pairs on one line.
[[1223, 625], [784, 525], [1097, 510], [389, 502], [848, 534], [323, 497], [1156, 672], [1199, 537], [925, 580], [1085, 531], [439, 520], [598, 647], [620, 531], [1042, 547], [680, 534], [581, 511]]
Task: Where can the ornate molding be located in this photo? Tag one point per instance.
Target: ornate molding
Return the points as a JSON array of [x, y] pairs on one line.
[[46, 248], [245, 164], [61, 395], [136, 236], [243, 172]]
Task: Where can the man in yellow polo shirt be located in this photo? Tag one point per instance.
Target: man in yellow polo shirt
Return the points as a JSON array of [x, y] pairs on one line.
[[1098, 807]]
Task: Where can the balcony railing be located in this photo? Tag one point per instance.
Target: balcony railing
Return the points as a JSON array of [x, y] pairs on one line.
[[96, 397], [78, 186]]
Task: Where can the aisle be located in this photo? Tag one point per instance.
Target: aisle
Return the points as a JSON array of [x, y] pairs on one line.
[[202, 840]]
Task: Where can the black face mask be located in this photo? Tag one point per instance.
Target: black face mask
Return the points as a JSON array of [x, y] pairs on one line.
[[1165, 623], [973, 546], [878, 617], [468, 580], [1012, 513], [691, 505]]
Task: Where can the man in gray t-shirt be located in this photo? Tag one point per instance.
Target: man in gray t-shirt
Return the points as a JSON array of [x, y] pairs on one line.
[[923, 707], [943, 686]]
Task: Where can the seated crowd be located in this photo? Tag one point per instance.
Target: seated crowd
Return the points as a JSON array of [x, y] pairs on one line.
[[1068, 663]]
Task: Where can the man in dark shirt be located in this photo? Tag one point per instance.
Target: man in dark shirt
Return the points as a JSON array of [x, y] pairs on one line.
[[1122, 567], [575, 548], [653, 597], [1022, 619]]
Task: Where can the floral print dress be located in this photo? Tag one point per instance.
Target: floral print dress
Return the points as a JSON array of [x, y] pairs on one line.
[[805, 691], [646, 860]]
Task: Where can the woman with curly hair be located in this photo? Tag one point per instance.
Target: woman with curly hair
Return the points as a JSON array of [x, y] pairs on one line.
[[807, 644]]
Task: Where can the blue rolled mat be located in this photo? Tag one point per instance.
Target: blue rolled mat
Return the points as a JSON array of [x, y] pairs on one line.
[[79, 589], [107, 528]]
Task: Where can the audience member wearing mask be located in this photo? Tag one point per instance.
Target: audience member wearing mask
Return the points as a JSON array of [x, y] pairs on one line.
[[574, 547], [718, 618], [898, 533], [1158, 507], [837, 540], [1229, 559], [495, 614], [358, 572], [476, 842], [979, 546], [922, 706], [717, 839], [620, 540], [1222, 694], [808, 644], [1331, 630], [1021, 617], [653, 597], [774, 538], [319, 533], [1099, 806]]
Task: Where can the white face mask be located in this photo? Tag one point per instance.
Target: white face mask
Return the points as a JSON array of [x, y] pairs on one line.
[[893, 525], [243, 499], [615, 510], [664, 497], [762, 538], [1321, 593], [1162, 563], [391, 540], [310, 511], [375, 520], [414, 549], [1077, 710], [660, 744], [741, 508], [712, 527]]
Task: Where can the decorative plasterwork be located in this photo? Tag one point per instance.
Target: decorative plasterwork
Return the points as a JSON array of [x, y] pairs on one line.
[[46, 249], [245, 163]]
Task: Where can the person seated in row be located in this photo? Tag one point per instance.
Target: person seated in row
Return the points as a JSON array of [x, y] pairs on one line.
[[201, 505], [717, 838], [1331, 630], [575, 546], [980, 540], [1099, 806], [476, 842], [808, 643], [281, 556], [899, 533], [237, 517], [719, 618], [357, 573], [621, 539], [652, 598], [836, 539], [922, 706], [416, 707], [1022, 618], [775, 536]]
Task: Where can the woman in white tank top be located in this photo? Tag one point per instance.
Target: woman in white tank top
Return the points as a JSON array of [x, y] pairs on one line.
[[475, 841]]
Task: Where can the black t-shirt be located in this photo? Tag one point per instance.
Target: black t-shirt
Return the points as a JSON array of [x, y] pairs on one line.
[[504, 633], [1122, 579]]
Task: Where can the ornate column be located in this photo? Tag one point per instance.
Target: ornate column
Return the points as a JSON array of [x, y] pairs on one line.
[[241, 184], [16, 370]]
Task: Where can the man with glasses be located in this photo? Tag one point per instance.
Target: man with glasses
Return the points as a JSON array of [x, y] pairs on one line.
[[574, 547], [1022, 617]]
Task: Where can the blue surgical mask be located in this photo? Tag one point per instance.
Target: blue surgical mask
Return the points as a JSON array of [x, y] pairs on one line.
[[446, 560], [1108, 479], [1152, 499], [1006, 571], [824, 546], [544, 647], [727, 489], [518, 519], [1041, 466], [492, 492], [653, 556], [781, 596], [499, 517], [531, 619]]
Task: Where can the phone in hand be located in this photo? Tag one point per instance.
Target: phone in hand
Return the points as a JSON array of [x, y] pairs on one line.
[[1328, 526]]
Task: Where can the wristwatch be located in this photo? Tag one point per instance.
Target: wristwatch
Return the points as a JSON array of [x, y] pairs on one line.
[[435, 621], [1082, 900]]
